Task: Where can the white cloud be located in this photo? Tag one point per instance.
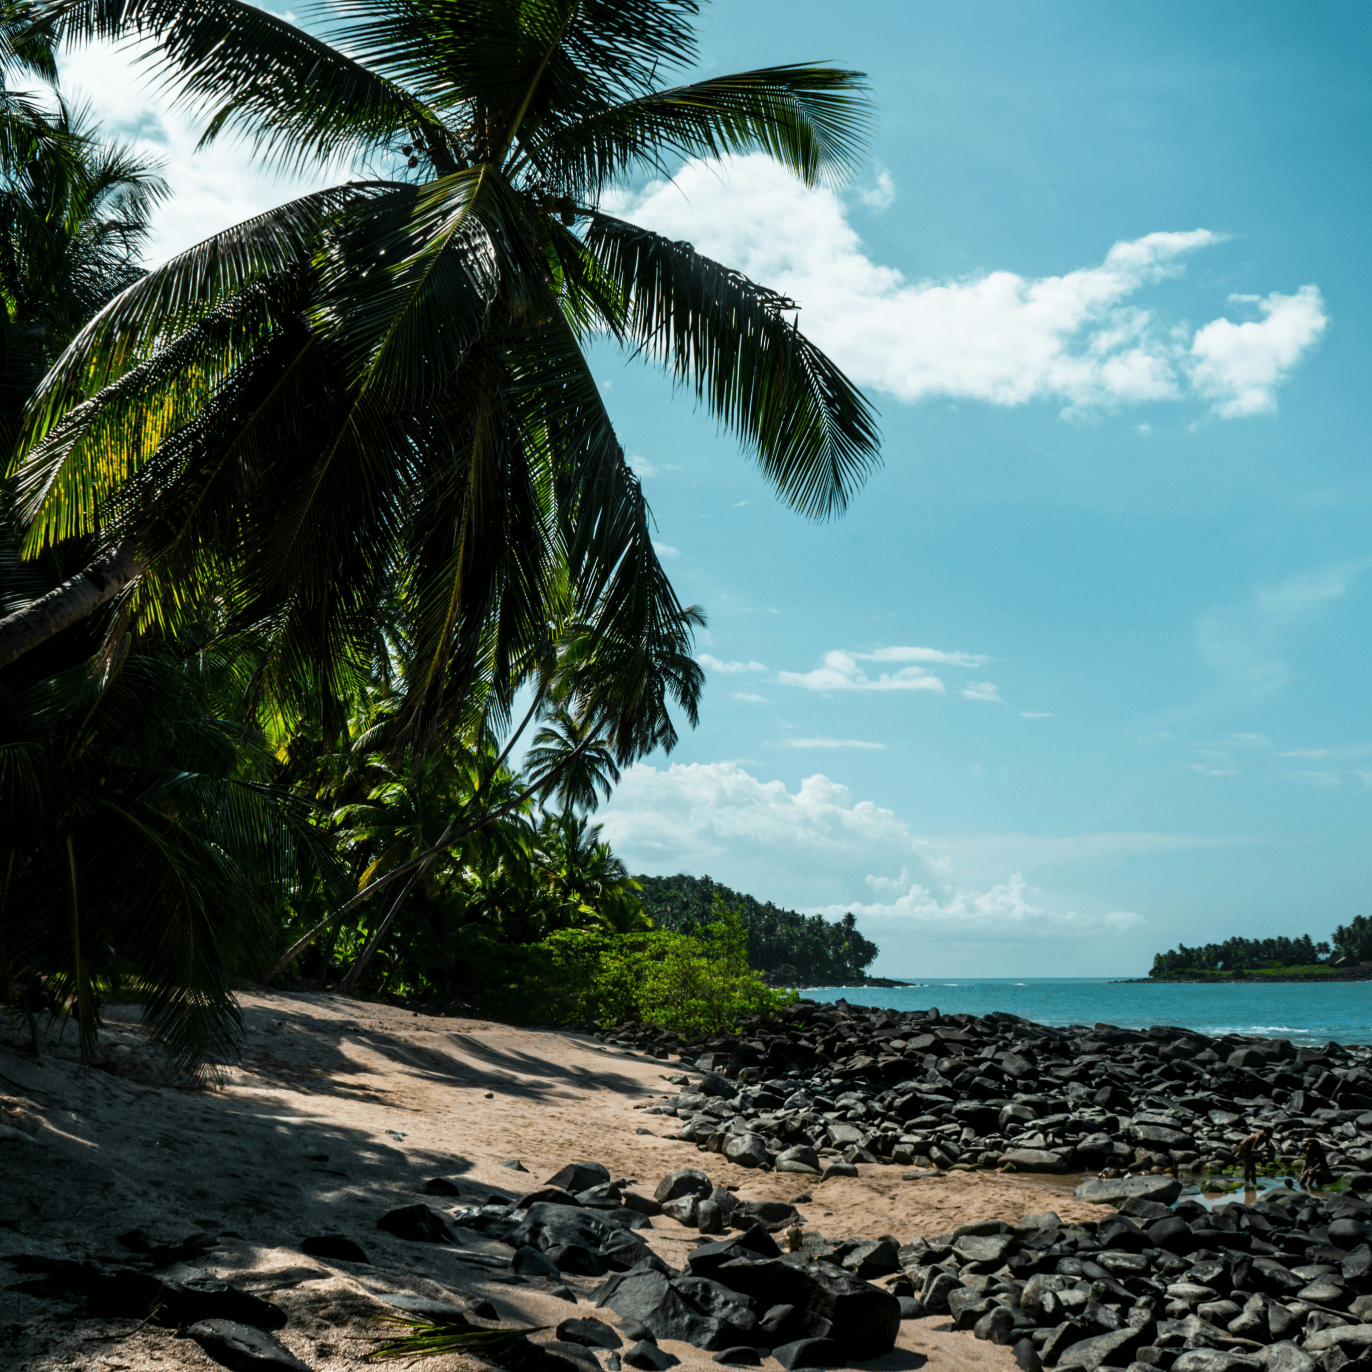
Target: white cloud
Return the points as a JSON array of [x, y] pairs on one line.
[[1237, 367], [1361, 750], [881, 195], [1214, 771], [1145, 429], [666, 550], [746, 695], [828, 743], [994, 336], [713, 664], [212, 189], [841, 671], [1036, 714], [816, 848], [982, 690]]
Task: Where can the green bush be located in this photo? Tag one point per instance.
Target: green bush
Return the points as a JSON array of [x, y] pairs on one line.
[[690, 984]]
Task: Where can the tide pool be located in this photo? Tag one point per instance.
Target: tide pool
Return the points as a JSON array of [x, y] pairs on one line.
[[1303, 1012]]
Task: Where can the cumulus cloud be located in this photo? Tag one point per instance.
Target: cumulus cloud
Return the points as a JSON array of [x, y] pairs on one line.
[[1238, 367], [1076, 339], [882, 194], [829, 743], [816, 848]]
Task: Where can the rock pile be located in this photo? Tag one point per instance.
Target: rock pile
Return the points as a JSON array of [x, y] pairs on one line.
[[1284, 1284], [921, 1088]]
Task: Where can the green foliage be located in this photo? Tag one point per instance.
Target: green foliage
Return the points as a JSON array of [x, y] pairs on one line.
[[140, 843], [683, 982], [1241, 955], [1354, 939], [781, 942]]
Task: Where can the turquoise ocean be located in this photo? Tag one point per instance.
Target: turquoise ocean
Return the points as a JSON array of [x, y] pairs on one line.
[[1303, 1012]]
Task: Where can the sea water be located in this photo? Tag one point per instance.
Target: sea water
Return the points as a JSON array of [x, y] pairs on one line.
[[1304, 1012]]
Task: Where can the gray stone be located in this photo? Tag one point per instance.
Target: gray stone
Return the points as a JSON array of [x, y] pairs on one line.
[[243, 1348], [648, 1357], [746, 1150], [1164, 1190], [801, 1158], [529, 1262], [1214, 1360], [416, 1223], [686, 1182], [771, 1215], [742, 1356], [1287, 1357], [678, 1309], [684, 1209], [872, 1258], [839, 1168], [709, 1216], [1112, 1348], [1349, 1337], [579, 1176], [984, 1247], [996, 1325], [840, 1134], [1034, 1160]]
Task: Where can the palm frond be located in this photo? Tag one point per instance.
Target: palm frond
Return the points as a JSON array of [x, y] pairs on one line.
[[729, 340]]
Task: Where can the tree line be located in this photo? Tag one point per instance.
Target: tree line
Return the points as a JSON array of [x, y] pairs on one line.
[[1349, 944], [781, 943], [308, 531]]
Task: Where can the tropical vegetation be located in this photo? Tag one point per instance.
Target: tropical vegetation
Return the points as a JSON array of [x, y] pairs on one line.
[[785, 945], [308, 527], [1244, 955]]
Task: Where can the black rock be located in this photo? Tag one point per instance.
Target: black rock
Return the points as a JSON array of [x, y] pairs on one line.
[[742, 1356], [243, 1348], [650, 1358], [513, 1164], [436, 1312], [810, 1353], [686, 1182], [441, 1186], [416, 1223], [563, 1293], [591, 1333], [829, 1303], [579, 1176], [548, 1195], [707, 1258], [687, 1314], [911, 1309], [1027, 1356], [582, 1241], [575, 1353]]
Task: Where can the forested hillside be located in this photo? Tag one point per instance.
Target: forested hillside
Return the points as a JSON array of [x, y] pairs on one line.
[[781, 943]]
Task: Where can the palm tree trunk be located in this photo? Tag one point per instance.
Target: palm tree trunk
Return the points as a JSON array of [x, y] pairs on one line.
[[73, 600], [348, 985]]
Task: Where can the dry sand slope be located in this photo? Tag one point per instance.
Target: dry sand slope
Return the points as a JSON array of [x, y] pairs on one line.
[[341, 1110]]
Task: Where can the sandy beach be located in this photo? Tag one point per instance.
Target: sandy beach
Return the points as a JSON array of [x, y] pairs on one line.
[[339, 1111]]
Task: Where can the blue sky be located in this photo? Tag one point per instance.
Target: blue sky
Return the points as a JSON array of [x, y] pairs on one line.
[[1083, 671]]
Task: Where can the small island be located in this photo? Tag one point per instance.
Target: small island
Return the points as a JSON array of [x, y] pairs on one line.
[[1346, 957]]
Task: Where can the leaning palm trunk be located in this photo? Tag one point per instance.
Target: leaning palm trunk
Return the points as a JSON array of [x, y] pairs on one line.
[[109, 574], [348, 985]]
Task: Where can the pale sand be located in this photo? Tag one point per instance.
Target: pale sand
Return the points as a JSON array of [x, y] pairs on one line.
[[389, 1099]]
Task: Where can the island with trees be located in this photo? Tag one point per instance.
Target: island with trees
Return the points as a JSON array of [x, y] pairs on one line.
[[1346, 957]]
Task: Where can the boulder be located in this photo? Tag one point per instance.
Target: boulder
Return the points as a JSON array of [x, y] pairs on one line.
[[1034, 1160], [656, 1302], [1287, 1357], [1114, 1348], [579, 1176], [801, 1158], [872, 1258], [1163, 1190], [1352, 1338], [441, 1186], [686, 1182], [243, 1348], [829, 1303], [742, 1356], [206, 1298], [707, 1258], [417, 1223], [570, 1237], [590, 1333], [839, 1168], [548, 1195], [747, 1150], [984, 1247], [529, 1262], [648, 1357], [684, 1209]]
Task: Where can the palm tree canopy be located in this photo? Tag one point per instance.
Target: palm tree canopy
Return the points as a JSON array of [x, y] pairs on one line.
[[379, 390]]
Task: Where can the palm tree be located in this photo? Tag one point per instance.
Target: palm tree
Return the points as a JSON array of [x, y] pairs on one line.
[[579, 763], [125, 794], [380, 388], [588, 883]]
